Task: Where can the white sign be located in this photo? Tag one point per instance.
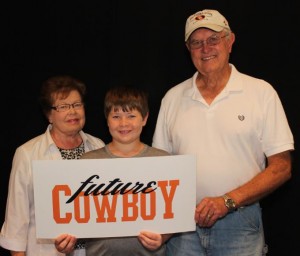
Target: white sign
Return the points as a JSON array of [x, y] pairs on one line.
[[114, 197]]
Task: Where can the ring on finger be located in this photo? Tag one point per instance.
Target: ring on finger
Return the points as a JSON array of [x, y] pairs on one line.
[[209, 216]]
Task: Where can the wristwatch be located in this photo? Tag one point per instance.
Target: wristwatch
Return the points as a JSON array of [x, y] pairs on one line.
[[229, 203]]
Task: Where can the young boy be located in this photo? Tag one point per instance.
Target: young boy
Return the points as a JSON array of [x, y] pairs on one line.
[[126, 111]]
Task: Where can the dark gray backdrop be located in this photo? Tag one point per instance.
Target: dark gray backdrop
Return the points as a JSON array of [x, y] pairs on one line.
[[107, 43]]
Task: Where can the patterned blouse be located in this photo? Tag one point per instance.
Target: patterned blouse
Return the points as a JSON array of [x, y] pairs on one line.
[[69, 154], [74, 153]]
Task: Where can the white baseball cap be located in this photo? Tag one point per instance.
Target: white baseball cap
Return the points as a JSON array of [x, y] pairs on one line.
[[211, 19]]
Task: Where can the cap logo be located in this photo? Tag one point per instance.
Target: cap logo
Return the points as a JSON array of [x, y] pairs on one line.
[[210, 19], [199, 17]]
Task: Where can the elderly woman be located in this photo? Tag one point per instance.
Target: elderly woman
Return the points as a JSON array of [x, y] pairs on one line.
[[62, 101]]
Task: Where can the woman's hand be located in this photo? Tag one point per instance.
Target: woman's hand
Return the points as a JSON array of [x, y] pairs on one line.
[[65, 243]]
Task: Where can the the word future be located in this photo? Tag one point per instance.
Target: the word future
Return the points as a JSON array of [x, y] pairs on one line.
[[138, 200]]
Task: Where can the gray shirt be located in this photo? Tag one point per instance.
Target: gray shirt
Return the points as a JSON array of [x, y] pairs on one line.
[[121, 246]]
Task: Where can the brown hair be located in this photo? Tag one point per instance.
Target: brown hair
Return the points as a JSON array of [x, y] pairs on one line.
[[59, 86], [126, 98]]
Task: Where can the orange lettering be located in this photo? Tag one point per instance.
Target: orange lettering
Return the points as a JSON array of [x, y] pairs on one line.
[[152, 214], [56, 204], [168, 198], [86, 208], [110, 208], [132, 205]]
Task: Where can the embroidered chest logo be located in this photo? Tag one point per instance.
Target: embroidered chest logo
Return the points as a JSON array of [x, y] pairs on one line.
[[241, 117]]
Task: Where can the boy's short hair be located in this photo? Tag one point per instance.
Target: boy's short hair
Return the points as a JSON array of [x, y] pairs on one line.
[[126, 98]]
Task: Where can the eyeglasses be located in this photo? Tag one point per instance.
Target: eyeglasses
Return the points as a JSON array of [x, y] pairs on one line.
[[211, 41], [66, 107]]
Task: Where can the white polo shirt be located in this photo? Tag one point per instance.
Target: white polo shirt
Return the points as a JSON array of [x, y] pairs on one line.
[[230, 137]]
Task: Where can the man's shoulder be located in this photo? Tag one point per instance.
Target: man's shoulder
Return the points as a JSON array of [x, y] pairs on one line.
[[178, 90], [250, 80], [186, 84]]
